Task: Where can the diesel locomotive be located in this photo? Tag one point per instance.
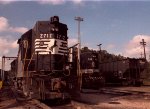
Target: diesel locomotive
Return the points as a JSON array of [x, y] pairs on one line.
[[91, 75], [41, 68]]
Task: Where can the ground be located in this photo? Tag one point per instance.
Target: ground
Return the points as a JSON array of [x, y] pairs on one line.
[[102, 101], [105, 98]]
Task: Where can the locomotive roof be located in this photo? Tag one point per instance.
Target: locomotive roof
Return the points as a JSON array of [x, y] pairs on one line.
[[89, 52], [48, 23], [127, 59]]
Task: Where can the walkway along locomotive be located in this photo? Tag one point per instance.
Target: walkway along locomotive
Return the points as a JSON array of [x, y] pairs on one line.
[[41, 68]]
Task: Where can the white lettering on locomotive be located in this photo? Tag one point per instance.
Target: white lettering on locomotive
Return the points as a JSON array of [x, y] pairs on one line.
[[54, 46], [52, 36]]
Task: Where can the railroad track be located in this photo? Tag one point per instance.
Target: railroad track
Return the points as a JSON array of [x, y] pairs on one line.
[[35, 104], [10, 99], [89, 100]]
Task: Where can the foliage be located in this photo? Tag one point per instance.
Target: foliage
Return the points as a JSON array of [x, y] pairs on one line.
[[104, 55]]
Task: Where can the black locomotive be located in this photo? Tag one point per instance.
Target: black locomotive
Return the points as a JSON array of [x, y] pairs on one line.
[[91, 75], [40, 69]]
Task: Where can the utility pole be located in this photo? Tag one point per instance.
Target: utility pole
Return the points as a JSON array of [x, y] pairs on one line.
[[141, 55], [143, 43], [99, 45], [79, 74], [99, 57]]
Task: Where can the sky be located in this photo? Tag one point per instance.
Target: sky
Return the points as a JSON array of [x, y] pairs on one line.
[[119, 26]]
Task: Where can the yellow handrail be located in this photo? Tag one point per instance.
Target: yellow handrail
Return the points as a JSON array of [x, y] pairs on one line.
[[1, 84]]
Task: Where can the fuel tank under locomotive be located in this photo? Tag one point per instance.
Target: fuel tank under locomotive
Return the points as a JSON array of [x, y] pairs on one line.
[[42, 61]]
